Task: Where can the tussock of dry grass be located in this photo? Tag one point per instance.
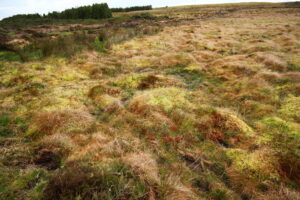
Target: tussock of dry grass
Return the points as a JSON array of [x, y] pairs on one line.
[[171, 60], [62, 121], [178, 190], [143, 164], [205, 56], [272, 62], [282, 193], [58, 139]]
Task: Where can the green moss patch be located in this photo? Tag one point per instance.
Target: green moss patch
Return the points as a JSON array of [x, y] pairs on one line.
[[291, 108], [9, 56], [27, 184], [165, 99]]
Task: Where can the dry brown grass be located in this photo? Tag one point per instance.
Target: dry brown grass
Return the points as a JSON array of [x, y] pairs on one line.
[[282, 193], [271, 61], [205, 56], [144, 164], [63, 122], [294, 76], [178, 190], [171, 60]]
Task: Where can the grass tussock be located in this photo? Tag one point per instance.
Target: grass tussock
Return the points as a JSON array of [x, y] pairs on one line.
[[272, 62], [64, 122], [143, 164]]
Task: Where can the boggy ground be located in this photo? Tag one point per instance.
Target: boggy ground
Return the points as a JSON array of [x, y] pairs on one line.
[[202, 110]]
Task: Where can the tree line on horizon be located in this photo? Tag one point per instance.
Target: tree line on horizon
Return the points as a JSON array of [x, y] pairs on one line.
[[134, 8], [95, 11]]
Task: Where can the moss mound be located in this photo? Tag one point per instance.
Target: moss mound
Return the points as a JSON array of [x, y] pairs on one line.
[[164, 99]]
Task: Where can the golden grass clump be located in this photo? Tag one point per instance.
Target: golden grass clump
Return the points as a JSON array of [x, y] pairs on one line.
[[232, 70], [178, 190], [256, 109], [170, 60], [271, 61], [269, 75], [141, 61], [120, 146], [205, 56], [91, 147], [256, 89], [144, 165], [281, 193], [62, 121], [293, 76], [58, 139]]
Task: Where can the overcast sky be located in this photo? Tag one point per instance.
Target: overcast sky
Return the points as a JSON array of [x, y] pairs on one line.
[[12, 7]]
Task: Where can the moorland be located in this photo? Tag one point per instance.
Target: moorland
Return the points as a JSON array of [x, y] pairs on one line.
[[174, 103]]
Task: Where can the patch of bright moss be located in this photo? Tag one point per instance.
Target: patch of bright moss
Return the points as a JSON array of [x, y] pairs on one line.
[[130, 82], [9, 56], [284, 139], [61, 33], [162, 98], [257, 164], [68, 77], [291, 108], [108, 102], [100, 45], [31, 53], [275, 125], [4, 125], [28, 184]]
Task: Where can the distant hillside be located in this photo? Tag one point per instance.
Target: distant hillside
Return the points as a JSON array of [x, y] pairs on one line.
[[95, 11]]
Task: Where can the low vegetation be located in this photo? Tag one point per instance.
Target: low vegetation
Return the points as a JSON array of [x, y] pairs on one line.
[[194, 102]]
